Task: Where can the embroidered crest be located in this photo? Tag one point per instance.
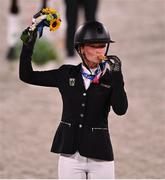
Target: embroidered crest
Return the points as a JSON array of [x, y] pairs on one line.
[[72, 81]]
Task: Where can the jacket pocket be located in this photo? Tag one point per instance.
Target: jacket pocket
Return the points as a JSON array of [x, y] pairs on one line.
[[99, 129], [64, 138], [107, 86], [66, 123]]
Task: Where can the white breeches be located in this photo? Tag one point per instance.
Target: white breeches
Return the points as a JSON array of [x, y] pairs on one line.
[[79, 167]]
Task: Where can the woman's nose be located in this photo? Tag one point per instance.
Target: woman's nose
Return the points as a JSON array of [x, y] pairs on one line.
[[99, 50]]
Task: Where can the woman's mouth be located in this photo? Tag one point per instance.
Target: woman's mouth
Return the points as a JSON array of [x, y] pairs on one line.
[[101, 57]]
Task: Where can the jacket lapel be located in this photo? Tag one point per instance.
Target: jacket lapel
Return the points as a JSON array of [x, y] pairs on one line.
[[75, 73]]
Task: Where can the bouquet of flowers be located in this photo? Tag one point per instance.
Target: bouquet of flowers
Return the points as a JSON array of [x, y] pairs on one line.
[[48, 17]]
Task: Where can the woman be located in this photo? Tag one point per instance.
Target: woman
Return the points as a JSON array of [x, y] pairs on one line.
[[88, 92]]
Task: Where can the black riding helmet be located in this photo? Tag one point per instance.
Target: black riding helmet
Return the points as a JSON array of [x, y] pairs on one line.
[[92, 32]]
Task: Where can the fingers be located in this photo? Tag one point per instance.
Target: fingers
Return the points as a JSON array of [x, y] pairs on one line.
[[115, 59], [114, 63], [28, 36]]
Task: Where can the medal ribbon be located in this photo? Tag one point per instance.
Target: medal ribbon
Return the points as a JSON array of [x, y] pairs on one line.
[[94, 77]]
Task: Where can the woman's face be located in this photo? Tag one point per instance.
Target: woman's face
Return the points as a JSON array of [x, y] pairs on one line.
[[92, 52]]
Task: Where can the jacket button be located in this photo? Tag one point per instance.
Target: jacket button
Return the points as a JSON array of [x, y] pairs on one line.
[[83, 104], [80, 125], [84, 94], [81, 115]]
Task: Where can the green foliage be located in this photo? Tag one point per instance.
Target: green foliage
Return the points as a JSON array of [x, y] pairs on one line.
[[44, 52]]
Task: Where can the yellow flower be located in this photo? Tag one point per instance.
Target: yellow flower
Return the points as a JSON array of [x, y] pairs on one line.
[[49, 11], [55, 24]]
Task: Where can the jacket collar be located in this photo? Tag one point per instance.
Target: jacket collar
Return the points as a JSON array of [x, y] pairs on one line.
[[75, 72]]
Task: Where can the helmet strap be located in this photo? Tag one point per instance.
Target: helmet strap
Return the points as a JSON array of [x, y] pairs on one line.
[[107, 49], [83, 56]]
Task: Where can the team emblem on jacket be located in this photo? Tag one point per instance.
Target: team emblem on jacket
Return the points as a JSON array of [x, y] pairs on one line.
[[105, 85], [71, 81]]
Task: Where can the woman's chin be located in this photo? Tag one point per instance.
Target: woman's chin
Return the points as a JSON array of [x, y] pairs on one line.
[[96, 61], [93, 64]]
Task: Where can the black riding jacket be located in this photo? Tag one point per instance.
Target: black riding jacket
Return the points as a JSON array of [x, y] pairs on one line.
[[84, 123]]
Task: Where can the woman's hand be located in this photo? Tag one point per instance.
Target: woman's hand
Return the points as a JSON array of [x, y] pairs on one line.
[[29, 34], [114, 62], [46, 17]]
